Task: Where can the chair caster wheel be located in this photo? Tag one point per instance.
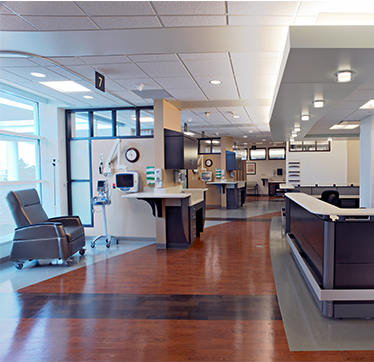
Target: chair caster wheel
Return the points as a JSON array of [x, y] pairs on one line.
[[82, 251], [18, 265], [92, 245], [67, 262], [107, 245]]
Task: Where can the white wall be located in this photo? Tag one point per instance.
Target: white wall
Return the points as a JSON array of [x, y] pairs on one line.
[[323, 167], [266, 168], [126, 218]]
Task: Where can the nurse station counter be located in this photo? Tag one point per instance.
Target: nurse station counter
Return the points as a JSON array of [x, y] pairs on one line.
[[334, 250]]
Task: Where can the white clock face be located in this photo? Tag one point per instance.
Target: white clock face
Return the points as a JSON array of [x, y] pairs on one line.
[[132, 154]]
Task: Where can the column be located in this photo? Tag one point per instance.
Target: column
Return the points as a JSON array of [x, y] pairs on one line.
[[367, 162]]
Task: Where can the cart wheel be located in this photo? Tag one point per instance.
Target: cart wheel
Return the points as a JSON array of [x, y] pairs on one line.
[[92, 245], [82, 251], [67, 262], [18, 265]]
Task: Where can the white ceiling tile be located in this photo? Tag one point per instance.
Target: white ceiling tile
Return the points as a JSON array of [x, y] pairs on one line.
[[105, 59], [262, 7], [189, 7], [112, 85], [214, 116], [243, 66], [25, 72], [61, 22], [153, 57], [13, 22], [259, 114], [204, 20], [243, 20], [84, 70], [65, 60], [187, 94], [16, 62], [117, 8], [259, 92], [12, 77], [126, 22], [316, 7], [4, 10], [203, 56], [225, 90], [43, 7], [176, 82], [164, 69], [133, 84], [121, 71], [254, 55], [233, 131], [205, 67], [65, 72]]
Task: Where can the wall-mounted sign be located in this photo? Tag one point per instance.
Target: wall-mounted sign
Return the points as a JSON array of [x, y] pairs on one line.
[[99, 81]]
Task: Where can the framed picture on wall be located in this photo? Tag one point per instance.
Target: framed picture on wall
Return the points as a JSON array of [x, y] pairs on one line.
[[251, 168]]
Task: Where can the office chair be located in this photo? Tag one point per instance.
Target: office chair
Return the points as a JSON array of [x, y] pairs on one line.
[[330, 196], [40, 237]]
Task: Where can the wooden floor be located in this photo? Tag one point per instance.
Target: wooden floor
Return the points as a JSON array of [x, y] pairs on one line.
[[213, 302]]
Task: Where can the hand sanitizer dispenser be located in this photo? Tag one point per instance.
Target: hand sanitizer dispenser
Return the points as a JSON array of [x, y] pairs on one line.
[[158, 177]]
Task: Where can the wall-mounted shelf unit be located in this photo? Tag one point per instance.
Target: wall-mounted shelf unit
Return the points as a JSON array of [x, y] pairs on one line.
[[293, 172]]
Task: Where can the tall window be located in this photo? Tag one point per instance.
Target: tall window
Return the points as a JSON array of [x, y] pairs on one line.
[[19, 150]]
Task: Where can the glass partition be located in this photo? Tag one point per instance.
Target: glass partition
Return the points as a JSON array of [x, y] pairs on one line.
[[80, 124], [126, 123], [146, 123], [102, 123]]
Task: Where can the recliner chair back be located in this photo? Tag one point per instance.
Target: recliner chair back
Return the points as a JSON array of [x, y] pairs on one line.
[[26, 208]]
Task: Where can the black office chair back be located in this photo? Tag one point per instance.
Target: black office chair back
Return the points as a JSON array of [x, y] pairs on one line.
[[330, 196], [25, 207]]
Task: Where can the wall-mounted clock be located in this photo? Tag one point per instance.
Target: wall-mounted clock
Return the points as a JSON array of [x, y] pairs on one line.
[[208, 162], [132, 154]]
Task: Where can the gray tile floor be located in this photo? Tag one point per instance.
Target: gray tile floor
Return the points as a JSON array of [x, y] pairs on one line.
[[306, 328]]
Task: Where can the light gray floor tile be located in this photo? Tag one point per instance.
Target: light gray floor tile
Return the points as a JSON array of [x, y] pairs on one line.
[[306, 328]]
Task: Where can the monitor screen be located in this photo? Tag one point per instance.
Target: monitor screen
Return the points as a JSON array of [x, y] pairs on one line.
[[125, 180]]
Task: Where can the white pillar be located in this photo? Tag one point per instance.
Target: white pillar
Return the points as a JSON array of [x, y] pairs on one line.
[[367, 162]]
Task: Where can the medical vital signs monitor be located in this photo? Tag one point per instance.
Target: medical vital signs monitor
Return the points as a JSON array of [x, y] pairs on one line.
[[127, 181]]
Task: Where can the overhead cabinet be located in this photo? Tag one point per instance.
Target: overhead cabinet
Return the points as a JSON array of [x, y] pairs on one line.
[[180, 151]]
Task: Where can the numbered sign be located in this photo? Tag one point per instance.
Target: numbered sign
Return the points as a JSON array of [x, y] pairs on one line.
[[99, 81]]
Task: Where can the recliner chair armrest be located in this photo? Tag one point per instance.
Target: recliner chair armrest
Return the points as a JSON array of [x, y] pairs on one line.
[[67, 220], [39, 231]]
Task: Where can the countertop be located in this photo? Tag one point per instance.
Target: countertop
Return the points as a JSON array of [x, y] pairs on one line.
[[318, 207]]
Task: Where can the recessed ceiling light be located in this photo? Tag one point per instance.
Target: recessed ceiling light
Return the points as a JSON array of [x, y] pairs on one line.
[[250, 131], [88, 97], [294, 134], [189, 133], [368, 105], [329, 139], [319, 103], [305, 117], [345, 125], [38, 75], [292, 139], [297, 129], [344, 76], [264, 139], [235, 116], [215, 82], [67, 86], [245, 136]]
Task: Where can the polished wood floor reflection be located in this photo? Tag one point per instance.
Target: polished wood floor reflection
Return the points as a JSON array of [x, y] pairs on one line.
[[213, 302]]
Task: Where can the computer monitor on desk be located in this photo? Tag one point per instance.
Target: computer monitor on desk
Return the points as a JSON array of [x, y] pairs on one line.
[[127, 181]]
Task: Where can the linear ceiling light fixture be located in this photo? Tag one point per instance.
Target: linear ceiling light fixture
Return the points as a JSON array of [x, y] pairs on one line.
[[305, 117], [320, 103], [67, 86], [344, 76]]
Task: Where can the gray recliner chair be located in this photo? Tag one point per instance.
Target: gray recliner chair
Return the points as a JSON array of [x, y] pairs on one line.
[[40, 237]]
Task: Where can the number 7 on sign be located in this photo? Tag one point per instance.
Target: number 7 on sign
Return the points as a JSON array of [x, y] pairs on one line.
[[99, 81]]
